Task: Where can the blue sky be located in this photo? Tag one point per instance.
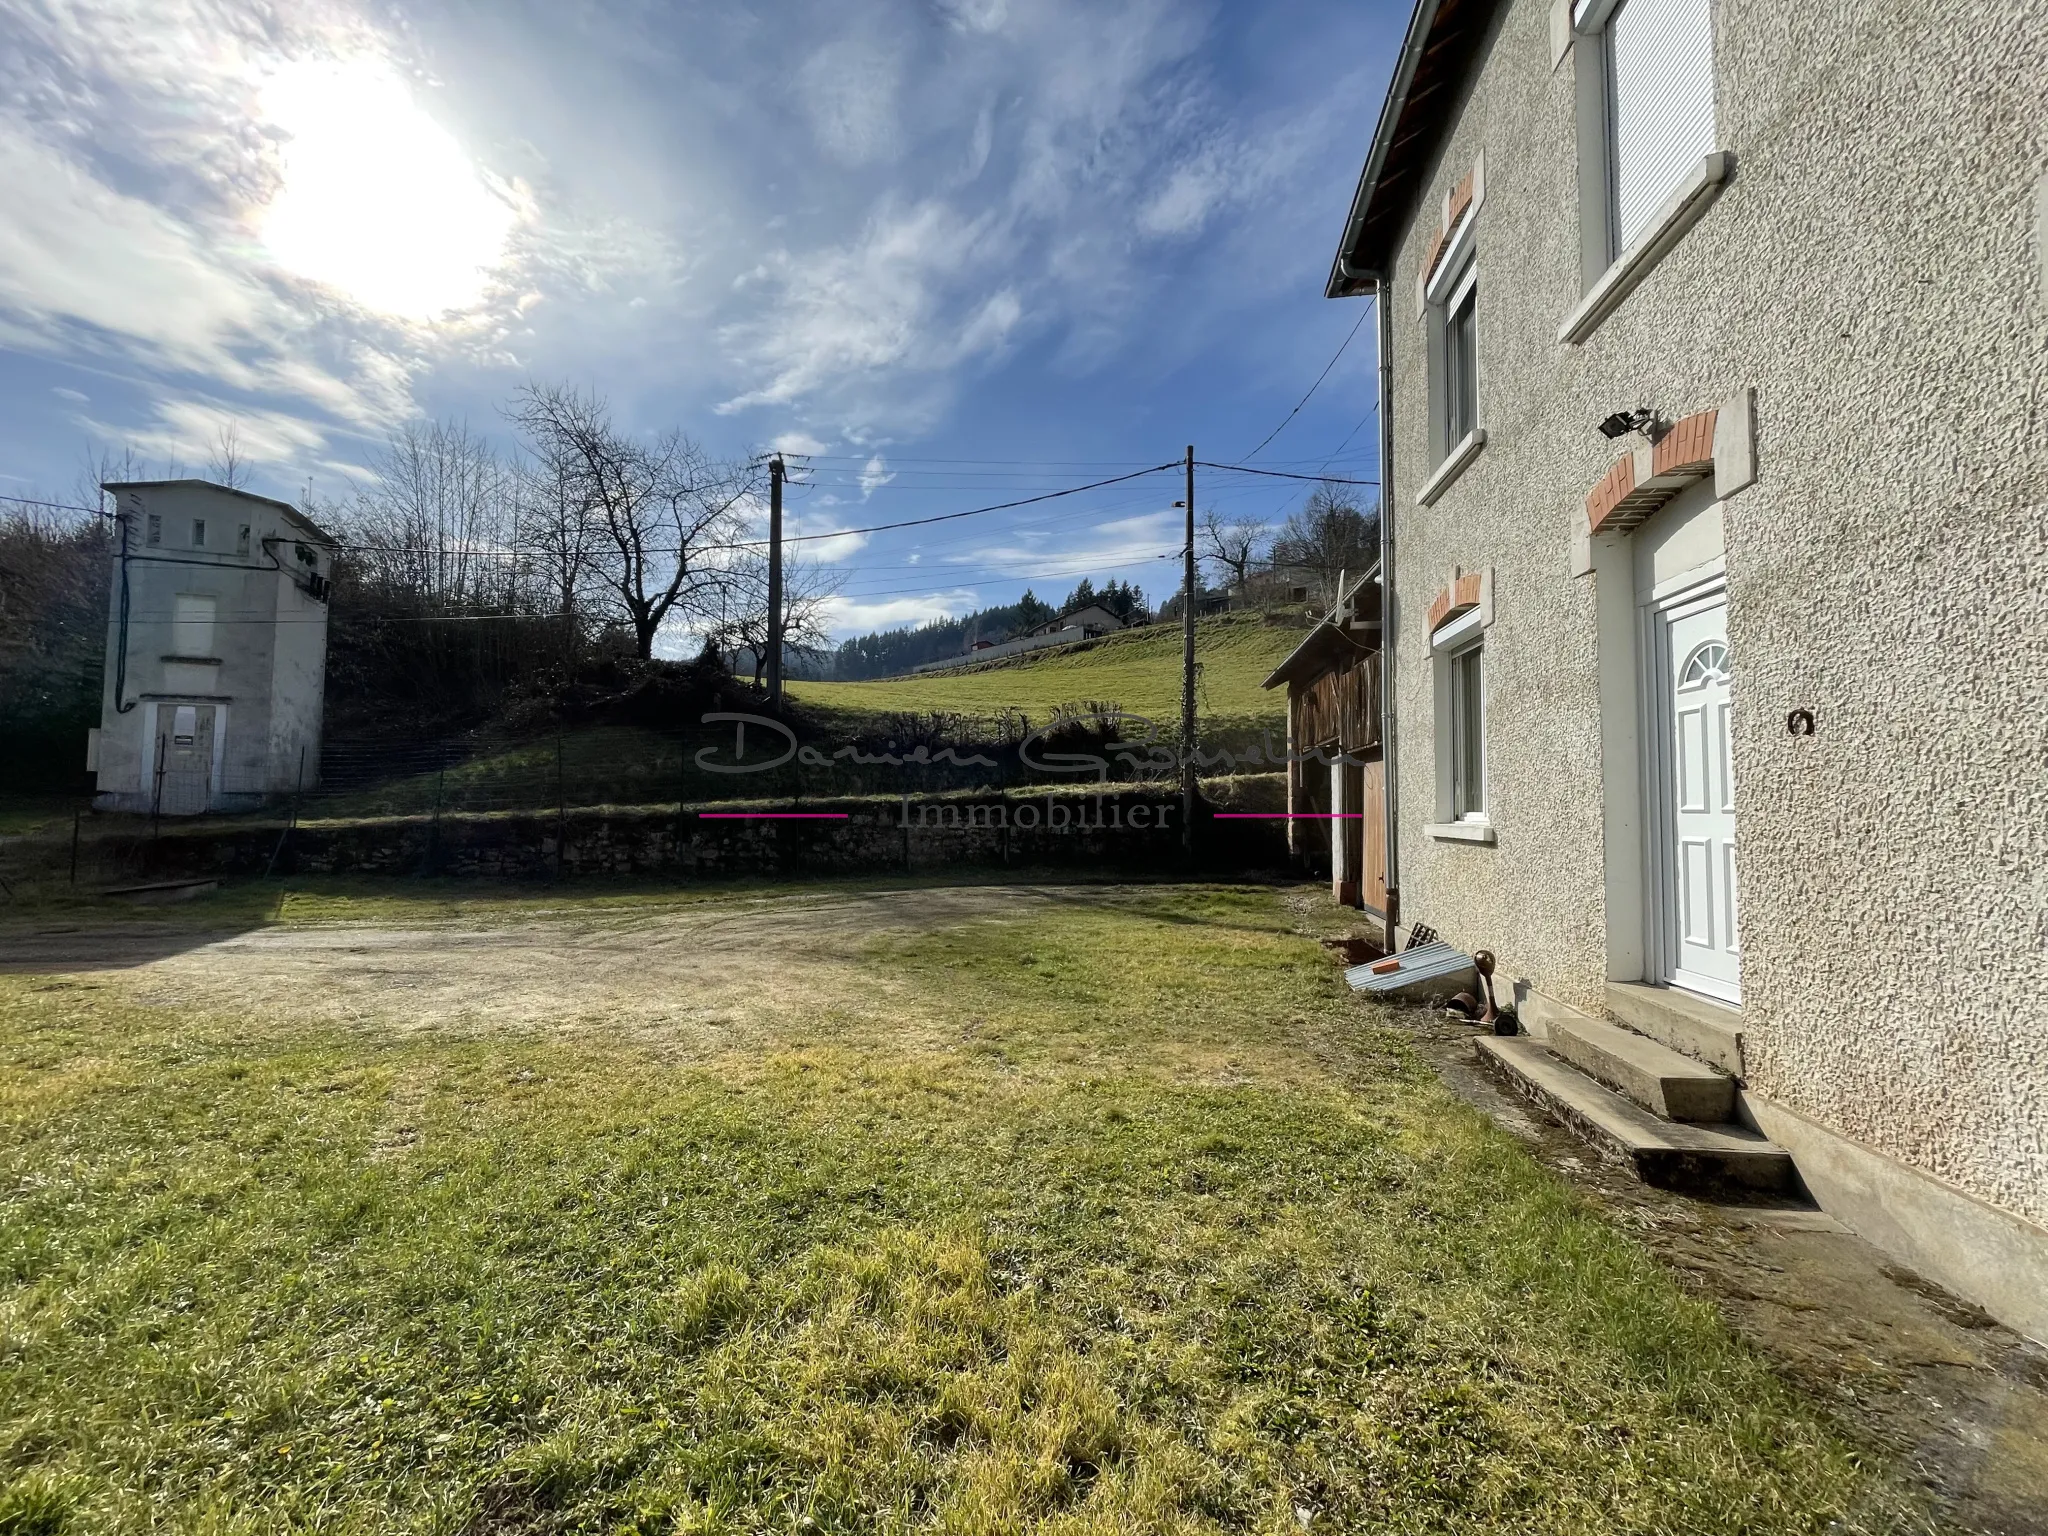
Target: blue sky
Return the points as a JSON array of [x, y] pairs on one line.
[[958, 251]]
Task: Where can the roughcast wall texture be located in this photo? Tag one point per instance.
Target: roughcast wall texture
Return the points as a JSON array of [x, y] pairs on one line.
[[1874, 271]]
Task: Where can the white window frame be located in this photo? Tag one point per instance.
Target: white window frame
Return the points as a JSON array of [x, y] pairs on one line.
[[1455, 280], [1468, 756], [1451, 642], [1465, 291]]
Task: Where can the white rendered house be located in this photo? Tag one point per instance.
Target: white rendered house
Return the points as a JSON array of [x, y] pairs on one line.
[[216, 650]]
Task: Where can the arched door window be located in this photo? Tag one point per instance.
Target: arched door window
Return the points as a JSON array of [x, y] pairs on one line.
[[1708, 663]]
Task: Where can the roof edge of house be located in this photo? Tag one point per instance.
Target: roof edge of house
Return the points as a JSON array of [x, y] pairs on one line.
[[1435, 43], [226, 490]]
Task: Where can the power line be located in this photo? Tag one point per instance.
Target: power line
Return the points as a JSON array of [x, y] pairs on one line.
[[1281, 474], [947, 517], [832, 533], [65, 506], [1313, 387], [1339, 449]]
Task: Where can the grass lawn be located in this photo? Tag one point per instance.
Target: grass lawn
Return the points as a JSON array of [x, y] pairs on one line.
[[1139, 669], [979, 1210], [30, 813]]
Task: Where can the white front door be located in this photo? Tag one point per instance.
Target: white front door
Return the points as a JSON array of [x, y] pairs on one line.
[[1700, 946]]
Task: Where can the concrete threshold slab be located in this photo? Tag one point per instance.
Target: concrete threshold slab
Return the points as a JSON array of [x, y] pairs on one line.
[[1665, 1083], [1662, 1152], [1691, 1025]]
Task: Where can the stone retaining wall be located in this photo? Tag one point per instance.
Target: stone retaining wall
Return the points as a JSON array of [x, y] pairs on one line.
[[1123, 831]]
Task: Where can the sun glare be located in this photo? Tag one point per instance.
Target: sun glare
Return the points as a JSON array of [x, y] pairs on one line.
[[378, 200]]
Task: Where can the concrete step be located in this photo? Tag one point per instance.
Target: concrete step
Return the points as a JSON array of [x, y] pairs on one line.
[[1662, 1152], [1690, 1024], [1665, 1083]]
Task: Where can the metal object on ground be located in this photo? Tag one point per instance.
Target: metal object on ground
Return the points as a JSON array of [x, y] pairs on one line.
[[1426, 973]]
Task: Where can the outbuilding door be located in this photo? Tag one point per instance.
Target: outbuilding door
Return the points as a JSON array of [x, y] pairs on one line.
[[1699, 942], [185, 734]]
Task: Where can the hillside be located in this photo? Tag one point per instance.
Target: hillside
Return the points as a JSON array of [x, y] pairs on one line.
[[1138, 669]]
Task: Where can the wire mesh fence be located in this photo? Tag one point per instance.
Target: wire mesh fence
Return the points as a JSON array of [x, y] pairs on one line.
[[559, 781]]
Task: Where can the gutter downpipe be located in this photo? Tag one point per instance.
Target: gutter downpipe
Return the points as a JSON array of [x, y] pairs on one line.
[[1390, 785], [1420, 23], [121, 642], [1382, 286]]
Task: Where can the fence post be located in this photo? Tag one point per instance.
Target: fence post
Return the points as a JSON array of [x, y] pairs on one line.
[[434, 829], [76, 813], [683, 789], [291, 822], [156, 798], [561, 808]]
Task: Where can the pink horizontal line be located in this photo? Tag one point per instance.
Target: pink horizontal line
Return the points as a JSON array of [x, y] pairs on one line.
[[771, 815], [1290, 815]]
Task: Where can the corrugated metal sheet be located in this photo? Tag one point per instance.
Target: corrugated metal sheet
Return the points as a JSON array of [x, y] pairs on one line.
[[1430, 969]]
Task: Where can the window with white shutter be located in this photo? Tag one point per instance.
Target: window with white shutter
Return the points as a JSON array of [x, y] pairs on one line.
[[1660, 59], [192, 625]]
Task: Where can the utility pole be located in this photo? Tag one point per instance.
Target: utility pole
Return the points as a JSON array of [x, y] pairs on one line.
[[775, 579], [1187, 673]]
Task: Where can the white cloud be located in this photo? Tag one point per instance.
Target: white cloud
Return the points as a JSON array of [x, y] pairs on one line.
[[874, 475], [850, 616], [976, 15], [881, 304], [74, 252], [850, 236], [832, 551], [1183, 205], [189, 430], [849, 90], [1120, 544], [75, 395]]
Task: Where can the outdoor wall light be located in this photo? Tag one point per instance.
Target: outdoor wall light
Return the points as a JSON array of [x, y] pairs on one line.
[[1621, 423]]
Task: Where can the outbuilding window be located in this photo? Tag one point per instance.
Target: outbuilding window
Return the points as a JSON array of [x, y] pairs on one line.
[[199, 533]]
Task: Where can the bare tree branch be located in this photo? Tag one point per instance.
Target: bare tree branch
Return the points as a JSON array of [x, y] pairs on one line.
[[225, 465], [1232, 546], [1328, 539], [659, 513]]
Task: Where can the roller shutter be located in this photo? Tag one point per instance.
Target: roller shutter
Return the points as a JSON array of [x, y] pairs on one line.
[[1661, 53]]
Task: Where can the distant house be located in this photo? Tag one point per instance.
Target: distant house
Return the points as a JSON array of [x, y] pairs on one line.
[[982, 645], [216, 650], [1091, 619]]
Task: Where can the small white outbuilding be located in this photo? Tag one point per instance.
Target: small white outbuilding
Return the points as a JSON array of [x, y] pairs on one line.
[[216, 650]]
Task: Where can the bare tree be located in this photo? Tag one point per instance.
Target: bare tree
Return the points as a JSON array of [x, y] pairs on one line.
[[225, 465], [1328, 539], [1231, 545], [105, 467], [662, 515], [436, 522], [553, 535], [808, 589]]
